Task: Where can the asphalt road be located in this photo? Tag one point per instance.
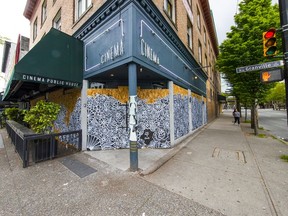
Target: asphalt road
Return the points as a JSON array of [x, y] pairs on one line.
[[274, 121]]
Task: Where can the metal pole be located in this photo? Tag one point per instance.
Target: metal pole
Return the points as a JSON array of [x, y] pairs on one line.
[[132, 79], [283, 9]]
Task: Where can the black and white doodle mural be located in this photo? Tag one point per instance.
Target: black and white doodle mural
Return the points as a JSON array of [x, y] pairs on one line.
[[153, 129], [181, 116], [108, 124], [74, 123], [198, 112]]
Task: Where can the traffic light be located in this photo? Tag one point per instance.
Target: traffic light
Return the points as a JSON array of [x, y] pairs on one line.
[[269, 42]]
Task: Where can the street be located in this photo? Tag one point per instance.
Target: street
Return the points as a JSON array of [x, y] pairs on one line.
[[275, 121]]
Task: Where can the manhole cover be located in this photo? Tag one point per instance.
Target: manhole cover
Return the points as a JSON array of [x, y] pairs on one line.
[[229, 155]]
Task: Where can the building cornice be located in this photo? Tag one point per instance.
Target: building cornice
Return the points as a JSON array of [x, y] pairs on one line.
[[207, 13], [29, 8]]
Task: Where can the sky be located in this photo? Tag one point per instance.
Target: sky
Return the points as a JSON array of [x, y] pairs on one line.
[[13, 23], [12, 20]]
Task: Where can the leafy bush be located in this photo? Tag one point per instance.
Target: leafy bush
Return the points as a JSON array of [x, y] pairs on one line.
[[284, 157], [42, 116], [15, 114]]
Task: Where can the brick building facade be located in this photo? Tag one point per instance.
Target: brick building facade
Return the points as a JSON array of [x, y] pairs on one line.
[[156, 56]]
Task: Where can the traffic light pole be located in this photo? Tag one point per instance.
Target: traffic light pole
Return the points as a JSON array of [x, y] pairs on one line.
[[283, 9]]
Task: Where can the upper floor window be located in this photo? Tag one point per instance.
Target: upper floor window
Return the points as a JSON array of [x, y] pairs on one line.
[[198, 19], [44, 12], [206, 63], [81, 7], [57, 21], [204, 36], [35, 26], [189, 34], [200, 52], [170, 9]]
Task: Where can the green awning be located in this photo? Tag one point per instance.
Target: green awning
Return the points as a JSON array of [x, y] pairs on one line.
[[221, 98], [55, 61]]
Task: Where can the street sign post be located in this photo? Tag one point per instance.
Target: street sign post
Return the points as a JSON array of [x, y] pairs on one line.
[[258, 67]]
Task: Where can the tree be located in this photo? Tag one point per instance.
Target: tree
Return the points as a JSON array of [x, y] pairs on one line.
[[277, 95], [2, 39], [243, 47]]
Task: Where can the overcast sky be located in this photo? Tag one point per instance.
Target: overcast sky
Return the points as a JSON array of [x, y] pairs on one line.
[[12, 21], [223, 12]]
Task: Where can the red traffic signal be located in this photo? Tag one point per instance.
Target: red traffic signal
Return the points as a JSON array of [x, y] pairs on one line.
[[269, 42]]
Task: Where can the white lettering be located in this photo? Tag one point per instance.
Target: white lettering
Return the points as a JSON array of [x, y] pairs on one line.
[[148, 52], [48, 80], [113, 52]]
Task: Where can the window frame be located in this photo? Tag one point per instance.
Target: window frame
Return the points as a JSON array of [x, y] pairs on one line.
[[198, 19], [56, 19], [35, 28], [189, 34], [204, 36], [170, 9], [44, 11], [85, 5], [200, 52]]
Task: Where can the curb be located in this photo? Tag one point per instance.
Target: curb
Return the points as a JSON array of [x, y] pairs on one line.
[[182, 143]]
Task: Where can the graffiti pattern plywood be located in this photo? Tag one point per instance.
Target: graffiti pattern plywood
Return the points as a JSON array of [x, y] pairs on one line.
[[154, 124], [108, 124], [181, 116]]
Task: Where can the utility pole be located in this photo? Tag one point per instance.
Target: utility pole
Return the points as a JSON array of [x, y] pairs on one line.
[[283, 9]]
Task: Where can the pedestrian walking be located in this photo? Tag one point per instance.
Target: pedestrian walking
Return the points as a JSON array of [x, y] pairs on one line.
[[236, 115]]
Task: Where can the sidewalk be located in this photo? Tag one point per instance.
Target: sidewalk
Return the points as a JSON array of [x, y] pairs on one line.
[[83, 185], [222, 167], [228, 169]]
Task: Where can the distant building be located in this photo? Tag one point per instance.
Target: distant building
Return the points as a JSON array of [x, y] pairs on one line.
[[100, 58]]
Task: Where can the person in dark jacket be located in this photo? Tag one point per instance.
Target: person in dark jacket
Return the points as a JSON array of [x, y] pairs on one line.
[[236, 115]]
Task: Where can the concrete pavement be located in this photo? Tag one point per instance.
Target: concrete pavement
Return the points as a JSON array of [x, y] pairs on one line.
[[58, 187], [229, 169], [221, 169]]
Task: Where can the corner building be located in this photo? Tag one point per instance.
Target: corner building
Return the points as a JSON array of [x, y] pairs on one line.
[[122, 70]]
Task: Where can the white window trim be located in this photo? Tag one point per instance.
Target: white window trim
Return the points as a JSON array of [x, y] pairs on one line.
[[173, 18], [87, 5]]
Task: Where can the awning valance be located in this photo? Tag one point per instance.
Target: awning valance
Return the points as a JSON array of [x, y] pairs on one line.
[[55, 61], [221, 98]]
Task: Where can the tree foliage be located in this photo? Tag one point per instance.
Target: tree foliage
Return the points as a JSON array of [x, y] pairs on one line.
[[244, 47], [277, 94], [2, 39]]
